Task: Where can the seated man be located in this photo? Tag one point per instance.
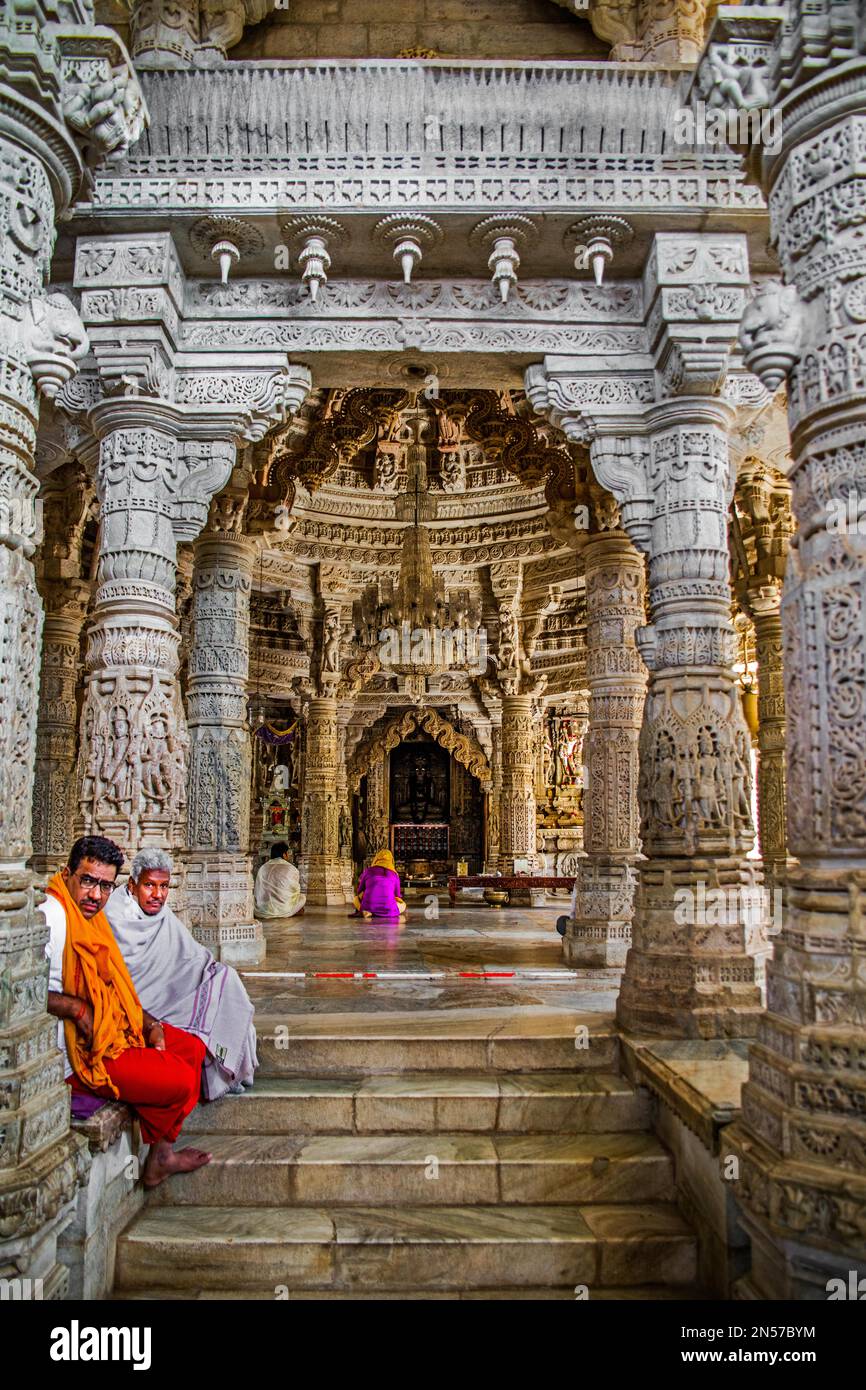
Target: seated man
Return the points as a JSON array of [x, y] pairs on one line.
[[178, 979], [278, 886], [114, 1048]]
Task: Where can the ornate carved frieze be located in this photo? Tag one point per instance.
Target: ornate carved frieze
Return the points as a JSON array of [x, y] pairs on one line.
[[432, 139], [613, 312], [350, 420]]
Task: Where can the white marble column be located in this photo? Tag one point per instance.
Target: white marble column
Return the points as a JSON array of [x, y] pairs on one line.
[[600, 932], [54, 805], [800, 1142], [219, 884], [691, 970], [42, 1164], [134, 740]]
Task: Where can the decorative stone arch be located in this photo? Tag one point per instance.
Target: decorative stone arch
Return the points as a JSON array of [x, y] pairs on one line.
[[462, 747]]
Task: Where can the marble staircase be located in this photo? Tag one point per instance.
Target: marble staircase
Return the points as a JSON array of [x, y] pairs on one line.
[[472, 1153]]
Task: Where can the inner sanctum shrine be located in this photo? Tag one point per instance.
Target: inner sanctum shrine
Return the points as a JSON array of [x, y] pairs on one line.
[[432, 469]]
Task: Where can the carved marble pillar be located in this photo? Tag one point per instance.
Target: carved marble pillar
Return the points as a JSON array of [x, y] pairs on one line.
[[600, 932], [41, 337], [344, 817], [772, 835], [517, 814], [219, 883], [376, 827], [54, 805], [320, 833], [699, 908], [800, 1139], [134, 741], [494, 802]]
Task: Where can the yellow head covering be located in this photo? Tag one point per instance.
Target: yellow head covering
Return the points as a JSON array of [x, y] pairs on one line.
[[383, 860]]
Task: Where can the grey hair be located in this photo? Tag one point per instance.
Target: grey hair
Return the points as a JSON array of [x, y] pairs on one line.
[[150, 859]]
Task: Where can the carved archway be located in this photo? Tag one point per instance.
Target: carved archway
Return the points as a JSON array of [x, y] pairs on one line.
[[462, 747]]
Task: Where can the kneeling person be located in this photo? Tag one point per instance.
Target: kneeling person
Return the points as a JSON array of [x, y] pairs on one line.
[[178, 979], [114, 1048]]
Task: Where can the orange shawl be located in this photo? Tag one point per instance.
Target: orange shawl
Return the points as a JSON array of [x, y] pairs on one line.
[[93, 969]]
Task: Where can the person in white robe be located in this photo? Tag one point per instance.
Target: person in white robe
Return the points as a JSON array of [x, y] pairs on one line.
[[178, 980], [278, 885]]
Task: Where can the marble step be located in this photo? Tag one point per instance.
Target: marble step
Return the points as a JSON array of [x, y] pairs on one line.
[[424, 1102], [273, 1250], [482, 1041], [424, 1169]]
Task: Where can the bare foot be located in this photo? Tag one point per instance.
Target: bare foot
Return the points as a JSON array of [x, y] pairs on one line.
[[162, 1162]]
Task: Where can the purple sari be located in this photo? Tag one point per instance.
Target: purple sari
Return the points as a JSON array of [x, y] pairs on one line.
[[378, 890]]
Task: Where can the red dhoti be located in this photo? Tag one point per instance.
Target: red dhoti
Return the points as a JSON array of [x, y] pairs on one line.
[[161, 1087]]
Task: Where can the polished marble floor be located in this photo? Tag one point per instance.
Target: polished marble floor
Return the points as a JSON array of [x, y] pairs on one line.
[[477, 960]]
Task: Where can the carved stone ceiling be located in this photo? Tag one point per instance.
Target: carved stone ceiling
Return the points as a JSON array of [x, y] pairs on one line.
[[491, 528], [493, 470]]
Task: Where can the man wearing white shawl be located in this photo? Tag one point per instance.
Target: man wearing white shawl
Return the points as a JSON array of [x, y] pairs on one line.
[[278, 885], [178, 980]]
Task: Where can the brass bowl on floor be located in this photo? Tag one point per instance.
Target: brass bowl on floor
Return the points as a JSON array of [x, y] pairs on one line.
[[496, 897]]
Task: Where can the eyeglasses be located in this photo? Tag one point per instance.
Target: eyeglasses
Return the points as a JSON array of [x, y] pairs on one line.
[[102, 885]]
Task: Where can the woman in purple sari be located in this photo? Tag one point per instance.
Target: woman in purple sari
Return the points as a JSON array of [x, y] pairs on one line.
[[379, 888]]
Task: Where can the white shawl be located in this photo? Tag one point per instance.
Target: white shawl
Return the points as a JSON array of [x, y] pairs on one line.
[[178, 981]]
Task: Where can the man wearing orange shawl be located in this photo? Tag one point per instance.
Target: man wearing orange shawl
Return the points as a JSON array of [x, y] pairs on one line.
[[113, 1046]]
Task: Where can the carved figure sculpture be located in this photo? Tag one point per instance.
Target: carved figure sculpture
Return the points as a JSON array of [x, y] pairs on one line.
[[507, 638], [452, 472], [740, 780], [110, 114], [707, 792], [662, 790], [331, 643], [387, 473], [158, 764], [54, 338], [725, 81], [117, 774]]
